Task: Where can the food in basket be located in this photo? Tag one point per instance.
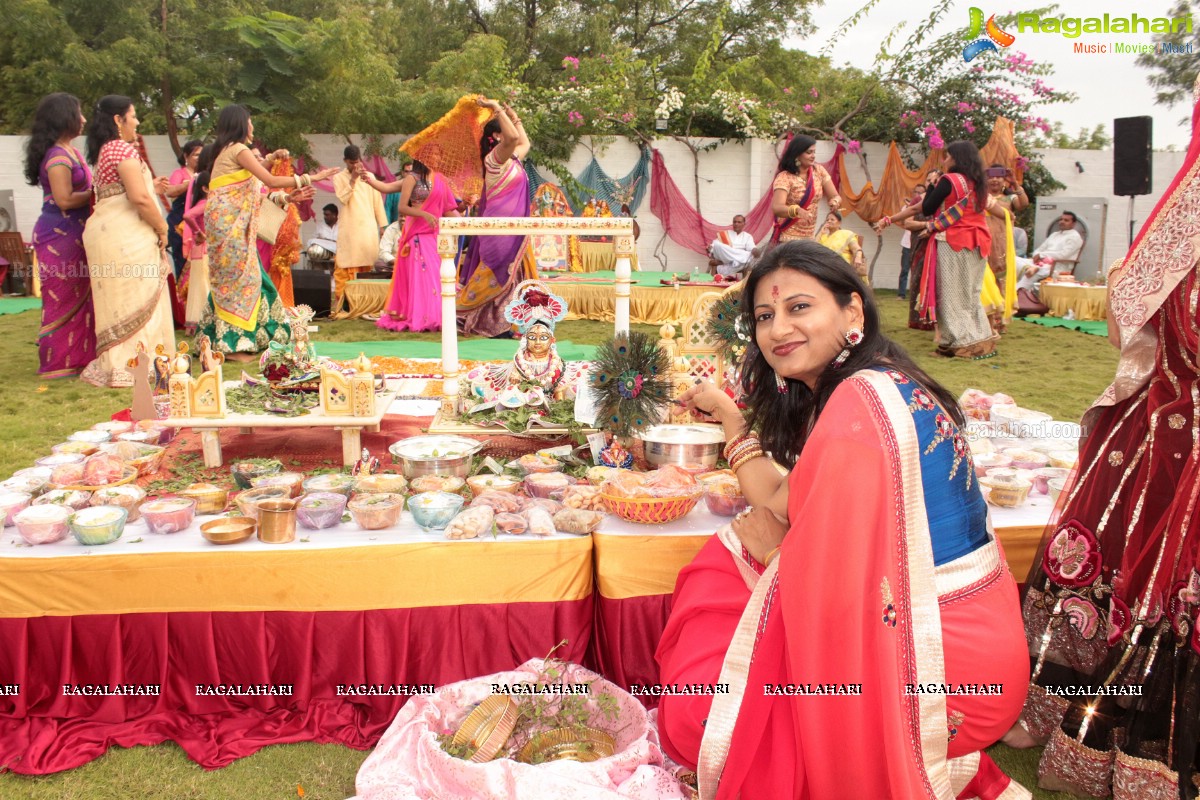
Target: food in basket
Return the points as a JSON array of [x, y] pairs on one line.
[[471, 523], [67, 475], [376, 511], [102, 469], [128, 497], [532, 462], [43, 524], [624, 483], [541, 484], [585, 497], [169, 515], [541, 521], [670, 481], [500, 502], [437, 483], [577, 520], [65, 497], [11, 504], [507, 522]]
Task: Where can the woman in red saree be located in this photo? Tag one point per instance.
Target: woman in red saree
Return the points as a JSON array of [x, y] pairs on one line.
[[797, 190], [1111, 605], [868, 629]]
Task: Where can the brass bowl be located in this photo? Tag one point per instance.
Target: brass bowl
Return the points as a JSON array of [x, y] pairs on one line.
[[568, 744], [228, 530], [209, 499], [488, 727]]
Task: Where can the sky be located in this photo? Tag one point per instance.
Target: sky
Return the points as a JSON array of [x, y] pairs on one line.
[[1108, 85]]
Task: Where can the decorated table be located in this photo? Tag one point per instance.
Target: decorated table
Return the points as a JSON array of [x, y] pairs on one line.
[[599, 257], [1088, 302]]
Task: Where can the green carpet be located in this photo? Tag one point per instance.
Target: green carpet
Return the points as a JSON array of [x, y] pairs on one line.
[[15, 305], [468, 349], [1096, 327]]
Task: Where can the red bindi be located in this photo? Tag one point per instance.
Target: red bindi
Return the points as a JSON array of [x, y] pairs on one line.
[[775, 293]]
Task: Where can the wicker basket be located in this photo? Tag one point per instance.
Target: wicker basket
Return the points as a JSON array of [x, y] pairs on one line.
[[651, 510]]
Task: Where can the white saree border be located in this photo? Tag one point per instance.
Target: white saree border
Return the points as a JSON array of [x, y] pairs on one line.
[[926, 712], [735, 672]]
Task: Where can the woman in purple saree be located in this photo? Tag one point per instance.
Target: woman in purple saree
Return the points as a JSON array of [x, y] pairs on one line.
[[494, 265], [67, 338]]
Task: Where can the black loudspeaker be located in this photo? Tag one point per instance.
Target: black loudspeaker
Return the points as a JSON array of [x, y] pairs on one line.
[[311, 287], [1132, 155]]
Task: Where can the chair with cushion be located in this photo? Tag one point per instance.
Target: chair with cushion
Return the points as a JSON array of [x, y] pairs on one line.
[[20, 264]]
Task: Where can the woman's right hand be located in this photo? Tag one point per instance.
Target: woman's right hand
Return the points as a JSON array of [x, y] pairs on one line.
[[707, 398], [430, 218], [492, 104]]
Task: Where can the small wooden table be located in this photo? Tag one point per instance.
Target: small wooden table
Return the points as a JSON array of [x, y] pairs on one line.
[[351, 428]]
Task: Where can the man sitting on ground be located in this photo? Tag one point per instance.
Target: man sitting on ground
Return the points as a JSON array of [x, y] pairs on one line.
[[323, 245], [732, 251]]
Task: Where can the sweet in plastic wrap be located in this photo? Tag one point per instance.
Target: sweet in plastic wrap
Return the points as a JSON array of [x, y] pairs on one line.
[[584, 497], [543, 484], [501, 502], [541, 521], [103, 469], [548, 505], [507, 522], [471, 523], [977, 404], [578, 520], [67, 475], [623, 483]]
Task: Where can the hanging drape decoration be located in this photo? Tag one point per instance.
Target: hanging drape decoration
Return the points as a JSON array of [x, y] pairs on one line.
[[630, 190], [898, 181]]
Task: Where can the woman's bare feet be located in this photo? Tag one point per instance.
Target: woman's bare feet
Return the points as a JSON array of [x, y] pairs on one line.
[[1018, 738]]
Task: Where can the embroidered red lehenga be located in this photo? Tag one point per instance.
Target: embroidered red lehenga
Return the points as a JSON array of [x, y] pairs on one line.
[[854, 610], [1112, 604]]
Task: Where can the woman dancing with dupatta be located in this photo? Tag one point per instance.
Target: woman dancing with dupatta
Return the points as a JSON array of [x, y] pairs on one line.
[[126, 240], [797, 190], [884, 602], [244, 313], [956, 260], [494, 265], [1111, 606], [414, 301], [67, 338]]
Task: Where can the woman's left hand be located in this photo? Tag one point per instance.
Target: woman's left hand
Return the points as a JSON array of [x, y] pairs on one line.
[[160, 185], [760, 531], [326, 173]]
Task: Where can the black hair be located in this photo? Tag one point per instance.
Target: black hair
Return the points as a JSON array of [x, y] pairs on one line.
[[208, 154], [102, 129], [969, 164], [352, 153], [420, 170], [329, 207], [836, 213], [735, 216], [233, 127], [1071, 214], [490, 138], [186, 150], [57, 114], [200, 185], [784, 420], [798, 146]]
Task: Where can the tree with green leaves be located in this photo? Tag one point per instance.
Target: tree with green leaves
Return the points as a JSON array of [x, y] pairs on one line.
[[1173, 76]]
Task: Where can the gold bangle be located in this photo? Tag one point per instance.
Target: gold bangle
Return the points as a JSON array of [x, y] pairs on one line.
[[771, 556]]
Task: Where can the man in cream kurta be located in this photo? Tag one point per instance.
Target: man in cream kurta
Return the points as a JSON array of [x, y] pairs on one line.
[[359, 224]]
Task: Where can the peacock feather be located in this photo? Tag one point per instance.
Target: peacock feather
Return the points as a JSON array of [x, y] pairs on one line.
[[726, 327], [631, 381]]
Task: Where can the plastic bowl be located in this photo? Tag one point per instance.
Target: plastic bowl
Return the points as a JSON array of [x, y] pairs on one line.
[[128, 497], [493, 483], [332, 482], [1054, 487], [113, 427], [209, 499], [1063, 458], [1005, 491], [11, 503], [1043, 476], [318, 510], [44, 524], [436, 483], [98, 524], [433, 511], [71, 498], [59, 459], [169, 515], [543, 484], [988, 461], [82, 448], [247, 501], [374, 512], [722, 501], [292, 481], [1021, 422], [30, 483], [1027, 459], [245, 471], [92, 436], [383, 483]]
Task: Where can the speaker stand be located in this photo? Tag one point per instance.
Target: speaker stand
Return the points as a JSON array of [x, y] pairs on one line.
[[1129, 220]]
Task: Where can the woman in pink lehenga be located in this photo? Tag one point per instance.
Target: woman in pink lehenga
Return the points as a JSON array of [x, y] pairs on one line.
[[414, 303]]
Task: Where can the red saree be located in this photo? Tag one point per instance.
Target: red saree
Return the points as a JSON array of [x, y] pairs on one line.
[[840, 662]]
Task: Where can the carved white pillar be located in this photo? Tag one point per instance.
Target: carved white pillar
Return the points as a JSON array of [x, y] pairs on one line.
[[447, 249], [622, 285]]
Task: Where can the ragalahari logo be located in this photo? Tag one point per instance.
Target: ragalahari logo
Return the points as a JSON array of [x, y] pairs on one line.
[[985, 37]]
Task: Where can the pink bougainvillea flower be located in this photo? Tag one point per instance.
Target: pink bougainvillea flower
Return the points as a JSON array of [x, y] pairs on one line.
[[787, 90], [570, 62], [1022, 163], [936, 142], [970, 126], [808, 108], [854, 146]]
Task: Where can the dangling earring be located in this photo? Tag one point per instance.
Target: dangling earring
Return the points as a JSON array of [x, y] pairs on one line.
[[853, 337], [780, 383]]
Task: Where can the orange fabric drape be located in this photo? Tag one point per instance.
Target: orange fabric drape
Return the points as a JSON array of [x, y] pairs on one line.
[[451, 146], [898, 181], [286, 252]]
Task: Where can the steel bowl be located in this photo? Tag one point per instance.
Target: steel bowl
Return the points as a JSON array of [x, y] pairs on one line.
[[435, 455], [683, 444]]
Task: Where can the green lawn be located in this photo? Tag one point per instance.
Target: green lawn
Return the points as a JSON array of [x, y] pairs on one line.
[[1050, 369]]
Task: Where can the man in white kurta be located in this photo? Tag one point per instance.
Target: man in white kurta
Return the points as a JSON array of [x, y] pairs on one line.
[[1063, 246], [361, 219], [732, 251]]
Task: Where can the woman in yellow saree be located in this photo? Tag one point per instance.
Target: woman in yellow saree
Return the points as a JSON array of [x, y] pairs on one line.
[[125, 239], [244, 313]]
